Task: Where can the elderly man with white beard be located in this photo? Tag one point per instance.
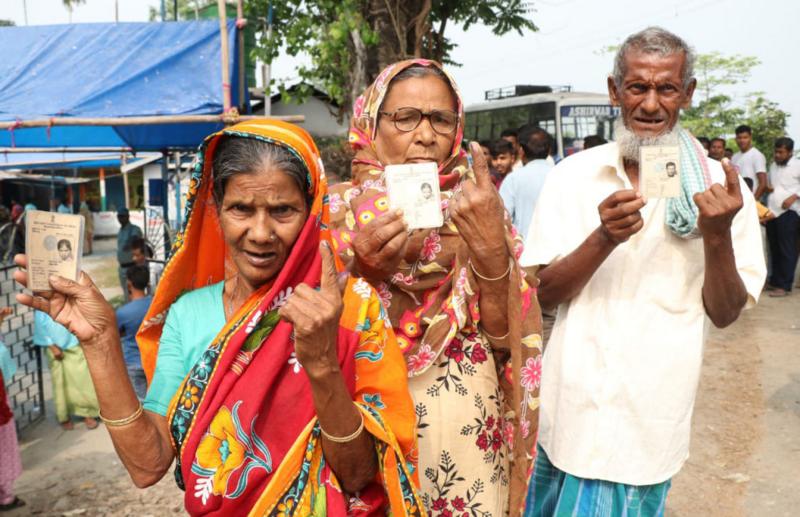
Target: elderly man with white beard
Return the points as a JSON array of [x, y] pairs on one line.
[[635, 282]]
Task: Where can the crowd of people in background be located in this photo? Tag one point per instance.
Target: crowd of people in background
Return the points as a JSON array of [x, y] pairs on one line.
[[521, 159]]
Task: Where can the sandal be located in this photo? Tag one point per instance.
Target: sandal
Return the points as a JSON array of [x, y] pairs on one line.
[[16, 503], [778, 293], [91, 423], [67, 426]]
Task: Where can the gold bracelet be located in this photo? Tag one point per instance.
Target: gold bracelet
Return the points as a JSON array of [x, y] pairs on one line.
[[344, 439], [489, 279], [495, 338], [123, 421]]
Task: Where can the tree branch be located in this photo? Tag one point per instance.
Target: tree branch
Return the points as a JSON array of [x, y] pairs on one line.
[[421, 27]]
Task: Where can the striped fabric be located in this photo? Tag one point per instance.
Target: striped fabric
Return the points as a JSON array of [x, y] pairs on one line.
[[553, 492], [681, 211]]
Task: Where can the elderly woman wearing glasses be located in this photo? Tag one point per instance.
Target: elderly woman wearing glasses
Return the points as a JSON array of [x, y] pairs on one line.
[[467, 321]]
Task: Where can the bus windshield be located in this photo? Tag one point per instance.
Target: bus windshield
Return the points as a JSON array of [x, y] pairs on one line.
[[581, 120]]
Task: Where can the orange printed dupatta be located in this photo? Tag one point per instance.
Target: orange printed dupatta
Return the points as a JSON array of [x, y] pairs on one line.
[[243, 423]]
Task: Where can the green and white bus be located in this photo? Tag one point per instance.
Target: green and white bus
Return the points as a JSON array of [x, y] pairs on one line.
[[568, 116]]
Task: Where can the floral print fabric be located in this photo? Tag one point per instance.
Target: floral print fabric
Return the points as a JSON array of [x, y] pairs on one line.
[[433, 304]]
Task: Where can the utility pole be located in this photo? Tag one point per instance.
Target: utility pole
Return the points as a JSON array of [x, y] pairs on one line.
[[265, 68]]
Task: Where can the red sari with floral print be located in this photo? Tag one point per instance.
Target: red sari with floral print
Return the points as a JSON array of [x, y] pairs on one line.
[[243, 422]]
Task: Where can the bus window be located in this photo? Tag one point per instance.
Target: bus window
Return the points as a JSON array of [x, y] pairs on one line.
[[580, 121], [488, 124]]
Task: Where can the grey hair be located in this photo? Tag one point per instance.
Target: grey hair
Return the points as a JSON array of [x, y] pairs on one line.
[[418, 71], [421, 71], [243, 155], [654, 40]]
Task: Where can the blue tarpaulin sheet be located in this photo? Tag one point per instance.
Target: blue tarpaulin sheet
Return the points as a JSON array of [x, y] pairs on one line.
[[113, 70], [68, 160]]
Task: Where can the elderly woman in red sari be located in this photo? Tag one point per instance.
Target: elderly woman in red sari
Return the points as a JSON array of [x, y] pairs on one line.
[[465, 318], [278, 386]]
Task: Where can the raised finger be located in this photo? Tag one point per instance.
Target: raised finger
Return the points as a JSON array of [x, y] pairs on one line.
[[329, 274], [479, 166], [21, 260], [731, 178]]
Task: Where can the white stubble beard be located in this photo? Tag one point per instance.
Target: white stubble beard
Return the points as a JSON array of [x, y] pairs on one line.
[[630, 143]]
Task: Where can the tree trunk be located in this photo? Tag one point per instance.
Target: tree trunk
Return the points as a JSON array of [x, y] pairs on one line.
[[358, 73], [421, 27]]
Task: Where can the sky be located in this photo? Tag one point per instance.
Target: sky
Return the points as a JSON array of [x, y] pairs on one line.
[[567, 49]]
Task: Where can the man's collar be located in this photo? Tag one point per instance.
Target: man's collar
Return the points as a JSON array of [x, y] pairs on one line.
[[611, 163]]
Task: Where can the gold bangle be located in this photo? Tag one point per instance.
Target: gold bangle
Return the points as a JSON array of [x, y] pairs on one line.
[[495, 338], [123, 421], [490, 279], [344, 439]]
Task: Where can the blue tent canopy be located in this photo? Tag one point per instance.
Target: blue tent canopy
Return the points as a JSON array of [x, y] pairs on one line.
[[72, 160], [113, 70]]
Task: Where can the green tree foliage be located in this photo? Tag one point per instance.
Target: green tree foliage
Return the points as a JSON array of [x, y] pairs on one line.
[[7, 23], [350, 41], [715, 113]]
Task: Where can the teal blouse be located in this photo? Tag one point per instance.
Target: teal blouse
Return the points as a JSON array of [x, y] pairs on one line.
[[193, 321], [47, 332]]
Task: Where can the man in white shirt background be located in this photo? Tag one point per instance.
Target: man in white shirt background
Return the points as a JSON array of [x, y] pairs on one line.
[[635, 292], [521, 189], [751, 163], [782, 232]]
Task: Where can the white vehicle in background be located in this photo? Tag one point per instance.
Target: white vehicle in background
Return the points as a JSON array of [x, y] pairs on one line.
[[568, 116]]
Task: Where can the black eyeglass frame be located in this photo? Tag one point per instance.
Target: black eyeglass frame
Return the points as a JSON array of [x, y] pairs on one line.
[[422, 115]]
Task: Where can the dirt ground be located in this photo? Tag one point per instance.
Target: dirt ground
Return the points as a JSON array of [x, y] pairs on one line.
[[745, 451]]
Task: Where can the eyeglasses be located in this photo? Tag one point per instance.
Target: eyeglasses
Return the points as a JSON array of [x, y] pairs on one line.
[[443, 122]]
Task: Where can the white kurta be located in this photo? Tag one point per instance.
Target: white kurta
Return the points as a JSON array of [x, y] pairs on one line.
[[623, 362]]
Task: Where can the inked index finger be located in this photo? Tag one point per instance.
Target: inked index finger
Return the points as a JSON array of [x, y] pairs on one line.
[[329, 274], [731, 178], [479, 166]]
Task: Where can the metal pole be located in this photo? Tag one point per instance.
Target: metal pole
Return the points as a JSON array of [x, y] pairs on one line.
[[175, 9], [25, 10], [116, 11], [266, 68], [226, 72], [103, 202], [125, 184], [164, 196], [177, 156], [163, 10], [240, 53]]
